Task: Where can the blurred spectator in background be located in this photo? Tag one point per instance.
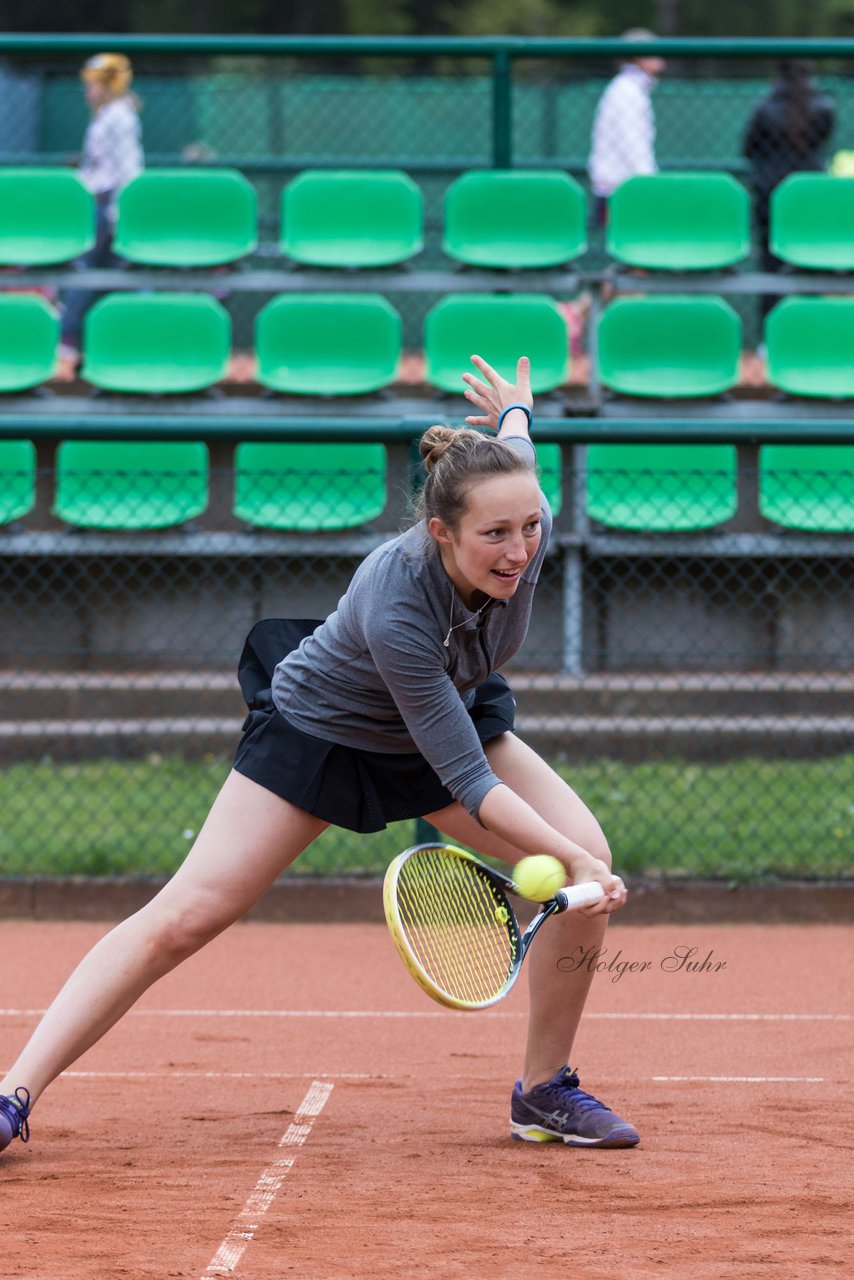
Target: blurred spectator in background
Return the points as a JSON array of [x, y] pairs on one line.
[[787, 133], [112, 156], [623, 142]]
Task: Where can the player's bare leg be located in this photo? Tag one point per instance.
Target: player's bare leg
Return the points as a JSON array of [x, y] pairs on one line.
[[548, 1104], [249, 837], [558, 994]]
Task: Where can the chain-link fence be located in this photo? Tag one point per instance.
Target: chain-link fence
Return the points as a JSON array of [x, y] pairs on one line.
[[689, 665], [695, 685]]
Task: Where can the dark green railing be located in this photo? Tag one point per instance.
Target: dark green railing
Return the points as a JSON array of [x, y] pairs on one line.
[[84, 425], [424, 46]]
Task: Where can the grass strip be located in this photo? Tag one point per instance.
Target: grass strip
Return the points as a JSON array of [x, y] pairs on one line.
[[743, 820]]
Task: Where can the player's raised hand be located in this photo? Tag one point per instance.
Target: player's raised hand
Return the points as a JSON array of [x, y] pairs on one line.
[[491, 394]]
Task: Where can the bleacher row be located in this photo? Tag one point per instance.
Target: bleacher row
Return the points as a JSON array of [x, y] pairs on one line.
[[496, 219], [339, 343], [665, 488], [348, 344]]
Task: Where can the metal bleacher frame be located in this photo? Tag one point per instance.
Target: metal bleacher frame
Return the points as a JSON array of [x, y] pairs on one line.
[[47, 416]]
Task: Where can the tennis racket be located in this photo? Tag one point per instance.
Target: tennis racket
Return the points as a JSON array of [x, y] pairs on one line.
[[454, 926]]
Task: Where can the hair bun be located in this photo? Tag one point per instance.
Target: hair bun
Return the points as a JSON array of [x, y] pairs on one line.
[[435, 443]]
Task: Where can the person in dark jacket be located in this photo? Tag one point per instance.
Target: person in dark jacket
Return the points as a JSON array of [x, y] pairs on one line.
[[787, 133]]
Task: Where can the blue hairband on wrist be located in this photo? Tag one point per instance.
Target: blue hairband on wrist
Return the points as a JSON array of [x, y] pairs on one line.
[[525, 409]]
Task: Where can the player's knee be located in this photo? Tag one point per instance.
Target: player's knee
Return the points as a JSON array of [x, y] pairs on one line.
[[183, 928]]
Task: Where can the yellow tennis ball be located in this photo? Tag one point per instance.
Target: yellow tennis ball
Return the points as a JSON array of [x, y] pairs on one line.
[[539, 877]]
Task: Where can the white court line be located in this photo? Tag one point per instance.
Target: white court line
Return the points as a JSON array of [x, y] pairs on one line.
[[741, 1079], [452, 1013], [270, 1013], [377, 1078], [726, 1017], [223, 1075], [241, 1235]]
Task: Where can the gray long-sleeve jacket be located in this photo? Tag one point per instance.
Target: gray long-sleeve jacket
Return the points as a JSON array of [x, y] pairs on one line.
[[376, 674]]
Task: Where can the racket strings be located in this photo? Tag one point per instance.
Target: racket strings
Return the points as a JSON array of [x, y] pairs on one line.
[[457, 951], [457, 925]]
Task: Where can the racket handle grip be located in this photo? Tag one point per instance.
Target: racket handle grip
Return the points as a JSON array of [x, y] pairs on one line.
[[579, 895]]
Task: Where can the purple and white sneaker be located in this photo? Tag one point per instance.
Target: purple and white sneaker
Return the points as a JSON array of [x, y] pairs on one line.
[[558, 1111], [14, 1117]]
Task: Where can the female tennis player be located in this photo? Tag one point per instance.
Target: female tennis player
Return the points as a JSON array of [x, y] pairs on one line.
[[390, 709]]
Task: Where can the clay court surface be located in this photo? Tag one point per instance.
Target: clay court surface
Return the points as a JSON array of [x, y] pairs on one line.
[[290, 1104]]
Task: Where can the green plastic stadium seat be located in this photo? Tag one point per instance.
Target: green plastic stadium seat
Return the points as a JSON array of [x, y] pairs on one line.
[[808, 486], [515, 218], [812, 221], [130, 484], [309, 486], [499, 327], [156, 343], [17, 479], [352, 218], [810, 344], [549, 462], [46, 216], [187, 218], [29, 339], [661, 487], [330, 344], [679, 222], [669, 346]]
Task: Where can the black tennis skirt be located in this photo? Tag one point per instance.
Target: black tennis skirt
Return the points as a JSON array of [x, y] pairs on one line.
[[360, 790]]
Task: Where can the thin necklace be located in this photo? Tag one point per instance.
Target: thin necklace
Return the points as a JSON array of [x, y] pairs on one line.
[[447, 641]]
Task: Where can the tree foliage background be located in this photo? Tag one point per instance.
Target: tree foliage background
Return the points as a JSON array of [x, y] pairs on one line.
[[826, 18]]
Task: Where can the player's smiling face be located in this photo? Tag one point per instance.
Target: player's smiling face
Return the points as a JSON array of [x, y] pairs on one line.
[[495, 539]]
